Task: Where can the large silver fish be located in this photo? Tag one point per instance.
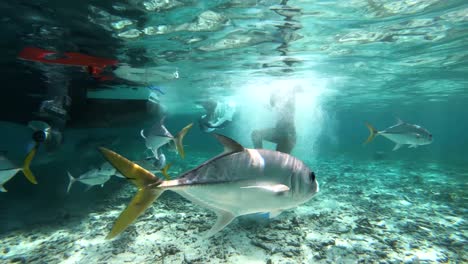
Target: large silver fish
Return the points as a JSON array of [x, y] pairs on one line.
[[237, 182], [159, 136], [402, 134], [8, 169], [96, 176]]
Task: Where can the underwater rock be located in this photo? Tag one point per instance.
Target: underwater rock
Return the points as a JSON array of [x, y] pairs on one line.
[[320, 255], [182, 228], [268, 237], [262, 245], [319, 245], [18, 260], [291, 252], [190, 258], [170, 249], [341, 229]]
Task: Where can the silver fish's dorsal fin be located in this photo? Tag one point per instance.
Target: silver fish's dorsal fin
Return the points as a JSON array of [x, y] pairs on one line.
[[230, 145], [399, 121]]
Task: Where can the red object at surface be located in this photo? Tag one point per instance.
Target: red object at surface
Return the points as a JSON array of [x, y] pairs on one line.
[[94, 65]]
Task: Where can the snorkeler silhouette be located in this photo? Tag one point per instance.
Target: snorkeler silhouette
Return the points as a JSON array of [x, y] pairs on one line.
[[219, 114], [284, 131]]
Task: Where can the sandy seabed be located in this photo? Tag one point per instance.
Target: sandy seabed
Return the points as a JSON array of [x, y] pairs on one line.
[[366, 212]]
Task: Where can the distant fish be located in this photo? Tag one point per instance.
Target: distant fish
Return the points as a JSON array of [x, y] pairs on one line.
[[8, 169], [237, 182], [402, 134], [159, 136], [97, 176]]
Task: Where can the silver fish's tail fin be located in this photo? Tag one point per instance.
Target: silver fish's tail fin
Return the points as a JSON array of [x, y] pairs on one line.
[[148, 190], [71, 181], [142, 200], [27, 162], [180, 137], [373, 133]]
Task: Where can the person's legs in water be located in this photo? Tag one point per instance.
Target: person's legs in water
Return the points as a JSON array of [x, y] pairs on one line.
[[286, 143], [285, 139], [262, 134]]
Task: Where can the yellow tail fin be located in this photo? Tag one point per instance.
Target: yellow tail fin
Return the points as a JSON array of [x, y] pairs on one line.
[[27, 162], [178, 139], [142, 200], [373, 133], [165, 170], [147, 190]]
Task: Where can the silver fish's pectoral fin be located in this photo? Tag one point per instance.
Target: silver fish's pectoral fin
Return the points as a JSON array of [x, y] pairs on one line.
[[230, 145], [397, 146], [119, 175], [224, 218], [274, 188], [413, 146]]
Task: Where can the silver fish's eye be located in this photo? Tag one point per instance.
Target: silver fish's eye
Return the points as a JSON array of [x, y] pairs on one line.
[[312, 176]]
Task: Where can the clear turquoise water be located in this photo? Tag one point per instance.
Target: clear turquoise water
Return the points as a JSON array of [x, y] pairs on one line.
[[358, 61]]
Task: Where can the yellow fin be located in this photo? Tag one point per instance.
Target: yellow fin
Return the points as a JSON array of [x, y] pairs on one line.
[[27, 162], [178, 139], [132, 171], [147, 190], [165, 170], [142, 200], [373, 133]]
